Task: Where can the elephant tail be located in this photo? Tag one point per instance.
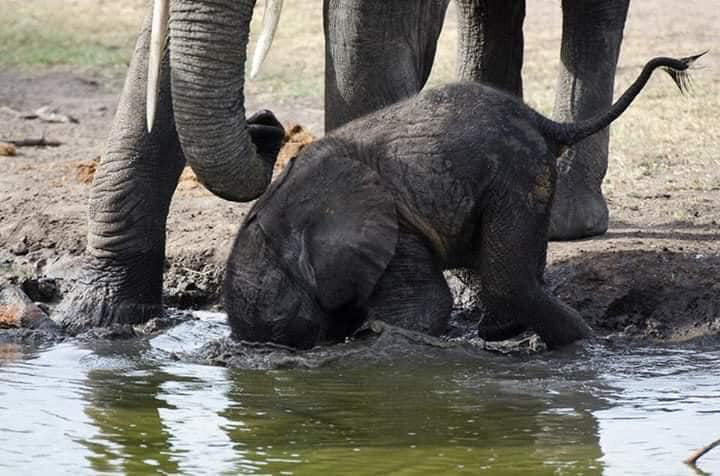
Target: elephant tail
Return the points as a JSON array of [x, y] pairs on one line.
[[569, 133]]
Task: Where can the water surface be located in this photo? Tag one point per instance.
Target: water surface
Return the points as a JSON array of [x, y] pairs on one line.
[[128, 408]]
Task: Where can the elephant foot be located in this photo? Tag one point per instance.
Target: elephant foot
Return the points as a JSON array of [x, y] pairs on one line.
[[104, 296], [556, 323], [577, 215], [492, 330]]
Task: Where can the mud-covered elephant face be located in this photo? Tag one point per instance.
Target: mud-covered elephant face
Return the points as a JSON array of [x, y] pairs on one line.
[[273, 298], [311, 250], [265, 300]]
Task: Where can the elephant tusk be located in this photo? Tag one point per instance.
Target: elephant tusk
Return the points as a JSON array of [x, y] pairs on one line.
[[271, 18], [158, 33]]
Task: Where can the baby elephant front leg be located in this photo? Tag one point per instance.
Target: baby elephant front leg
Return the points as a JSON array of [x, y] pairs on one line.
[[511, 249], [555, 322]]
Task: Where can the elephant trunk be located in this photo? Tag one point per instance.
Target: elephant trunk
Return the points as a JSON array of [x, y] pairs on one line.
[[208, 41]]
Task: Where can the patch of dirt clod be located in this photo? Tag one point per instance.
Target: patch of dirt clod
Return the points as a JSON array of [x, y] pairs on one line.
[[658, 295], [650, 277]]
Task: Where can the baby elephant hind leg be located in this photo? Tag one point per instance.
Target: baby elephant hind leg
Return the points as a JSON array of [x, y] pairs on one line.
[[511, 248], [412, 293]]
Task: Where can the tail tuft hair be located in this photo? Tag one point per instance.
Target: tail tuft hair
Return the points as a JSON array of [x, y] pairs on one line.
[[680, 75], [570, 133]]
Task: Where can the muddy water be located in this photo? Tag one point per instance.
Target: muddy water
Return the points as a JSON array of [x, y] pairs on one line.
[[127, 408]]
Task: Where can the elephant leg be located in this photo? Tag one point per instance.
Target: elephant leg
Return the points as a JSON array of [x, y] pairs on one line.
[[592, 34], [490, 51], [376, 53], [412, 293], [121, 282], [512, 246], [490, 42]]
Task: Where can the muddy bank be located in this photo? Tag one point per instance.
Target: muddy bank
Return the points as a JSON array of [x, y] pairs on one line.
[[44, 190], [656, 294], [648, 278]]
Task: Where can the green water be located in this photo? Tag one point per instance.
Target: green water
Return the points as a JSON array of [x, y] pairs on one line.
[[127, 408]]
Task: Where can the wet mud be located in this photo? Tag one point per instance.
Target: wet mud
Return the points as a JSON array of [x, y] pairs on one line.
[[649, 279], [659, 295]]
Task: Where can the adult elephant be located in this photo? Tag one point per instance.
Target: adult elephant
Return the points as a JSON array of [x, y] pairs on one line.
[[201, 122], [377, 53], [380, 52]]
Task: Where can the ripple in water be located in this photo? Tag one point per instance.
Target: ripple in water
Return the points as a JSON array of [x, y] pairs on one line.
[[131, 409]]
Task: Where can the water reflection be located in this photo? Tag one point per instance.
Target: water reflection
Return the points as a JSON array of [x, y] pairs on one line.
[[669, 404], [414, 420], [10, 353], [194, 416], [41, 412], [125, 409]]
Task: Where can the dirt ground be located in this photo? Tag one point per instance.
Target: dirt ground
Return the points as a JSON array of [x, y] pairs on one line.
[[655, 274]]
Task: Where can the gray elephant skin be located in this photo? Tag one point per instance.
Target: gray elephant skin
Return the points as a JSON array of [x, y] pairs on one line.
[[377, 52], [380, 52], [121, 281], [363, 222]]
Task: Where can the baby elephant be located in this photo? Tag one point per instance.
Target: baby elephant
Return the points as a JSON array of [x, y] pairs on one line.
[[362, 224]]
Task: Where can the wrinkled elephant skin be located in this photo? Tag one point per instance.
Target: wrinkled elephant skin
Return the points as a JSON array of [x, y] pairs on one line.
[[362, 223]]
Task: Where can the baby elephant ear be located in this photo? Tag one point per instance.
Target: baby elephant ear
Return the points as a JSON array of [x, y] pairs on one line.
[[345, 221], [351, 238]]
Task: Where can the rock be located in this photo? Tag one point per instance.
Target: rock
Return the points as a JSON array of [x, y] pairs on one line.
[[30, 337], [20, 248], [51, 115], [18, 311], [7, 150], [41, 289], [44, 307], [158, 324], [10, 353], [111, 332]]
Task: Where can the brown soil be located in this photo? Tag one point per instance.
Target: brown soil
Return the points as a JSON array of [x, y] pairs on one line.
[[7, 150], [644, 278], [655, 274]]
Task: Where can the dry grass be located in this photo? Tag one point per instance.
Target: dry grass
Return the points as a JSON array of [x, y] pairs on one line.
[[665, 143], [68, 32]]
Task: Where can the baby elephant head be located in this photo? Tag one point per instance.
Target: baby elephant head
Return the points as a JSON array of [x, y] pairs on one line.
[[310, 251], [266, 299]]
